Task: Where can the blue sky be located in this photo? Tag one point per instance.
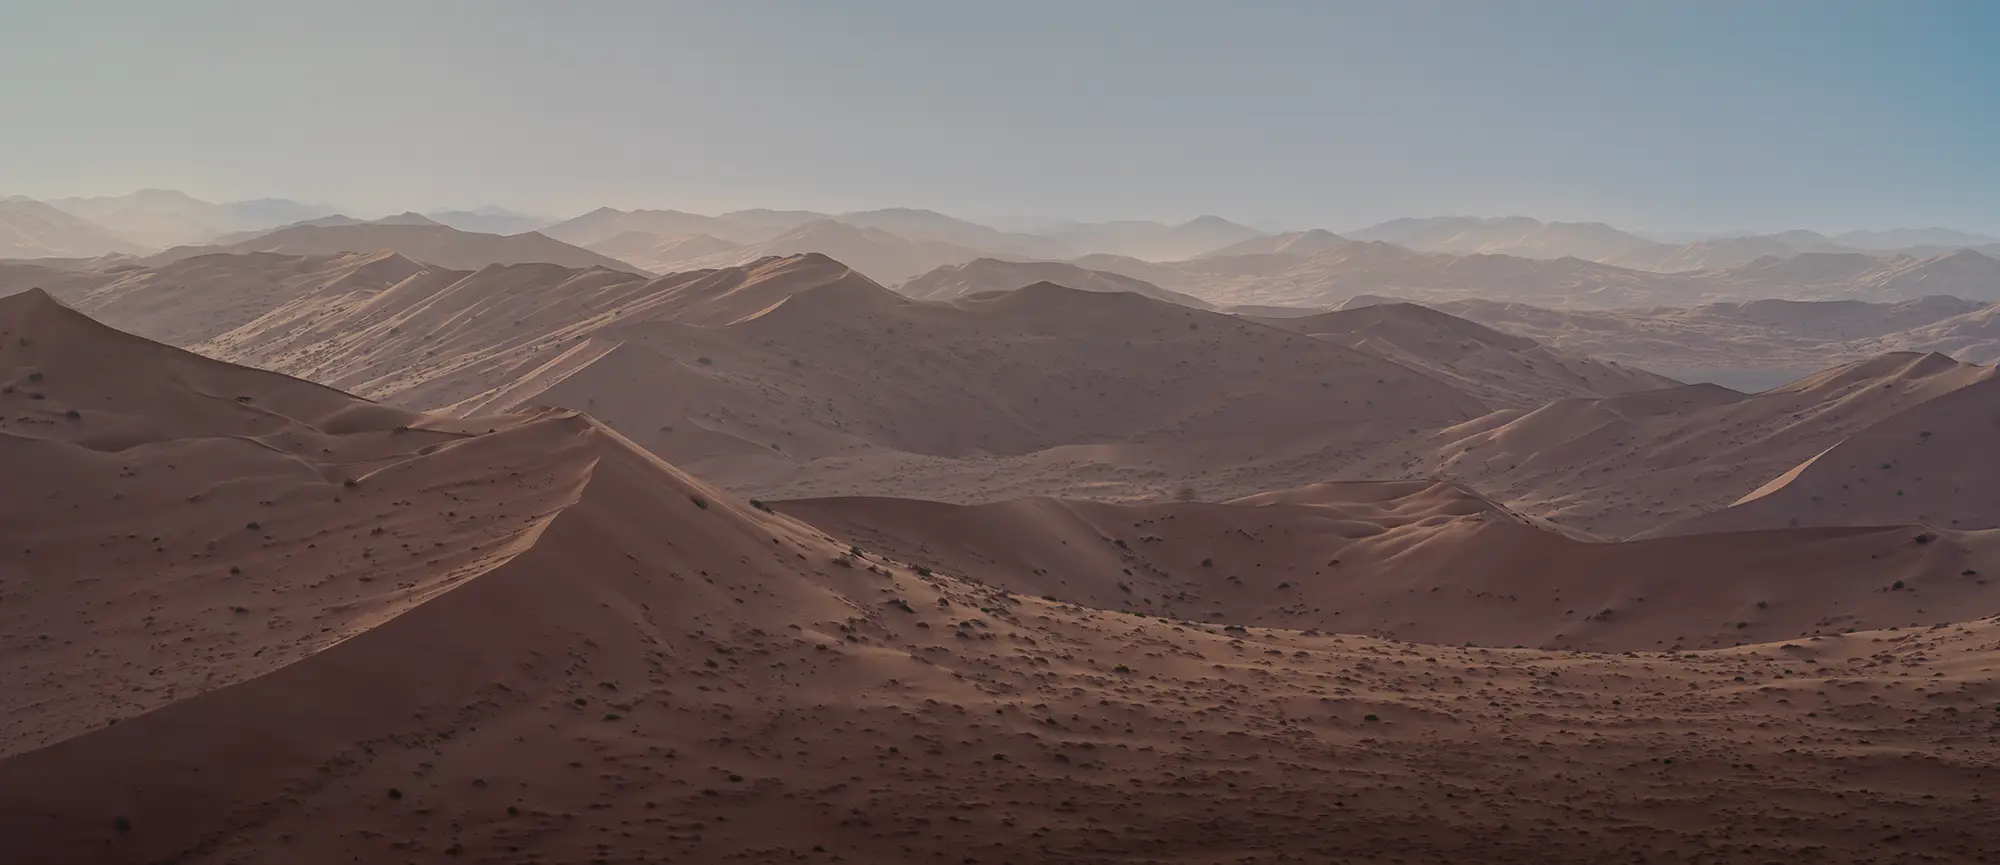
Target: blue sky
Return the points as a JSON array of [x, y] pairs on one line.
[[1828, 115]]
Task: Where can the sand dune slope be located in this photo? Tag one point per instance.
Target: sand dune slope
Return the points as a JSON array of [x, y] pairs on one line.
[[1933, 464], [1504, 370], [1620, 465], [452, 337], [539, 643]]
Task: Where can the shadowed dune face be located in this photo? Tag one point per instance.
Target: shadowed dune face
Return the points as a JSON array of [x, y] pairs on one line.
[[522, 637]]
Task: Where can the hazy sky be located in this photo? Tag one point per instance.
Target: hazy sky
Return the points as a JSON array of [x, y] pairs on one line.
[[1716, 115]]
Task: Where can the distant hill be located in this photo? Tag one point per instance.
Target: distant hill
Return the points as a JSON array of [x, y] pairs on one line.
[[32, 229], [662, 254], [606, 222], [1520, 236], [1151, 241], [930, 226], [490, 220], [884, 257], [1296, 243], [166, 217], [1785, 338], [1902, 238], [1723, 253], [989, 274], [423, 241]]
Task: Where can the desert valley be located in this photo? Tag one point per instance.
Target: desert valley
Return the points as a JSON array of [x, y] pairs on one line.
[[775, 536]]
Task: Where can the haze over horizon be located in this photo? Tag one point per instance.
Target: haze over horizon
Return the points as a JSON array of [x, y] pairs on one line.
[[1700, 117]]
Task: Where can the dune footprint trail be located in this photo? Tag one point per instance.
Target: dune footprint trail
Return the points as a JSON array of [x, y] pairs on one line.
[[521, 638]]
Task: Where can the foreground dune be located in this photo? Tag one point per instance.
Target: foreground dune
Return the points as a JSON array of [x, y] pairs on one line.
[[248, 619]]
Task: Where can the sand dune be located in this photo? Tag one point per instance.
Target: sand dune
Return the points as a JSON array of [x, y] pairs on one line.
[[193, 299], [1928, 465], [807, 356], [1431, 562], [851, 388], [522, 638], [798, 377], [1503, 370], [443, 337], [1620, 465], [432, 243]]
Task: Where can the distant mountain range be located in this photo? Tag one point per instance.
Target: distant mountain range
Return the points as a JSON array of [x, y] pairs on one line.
[[1207, 260]]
